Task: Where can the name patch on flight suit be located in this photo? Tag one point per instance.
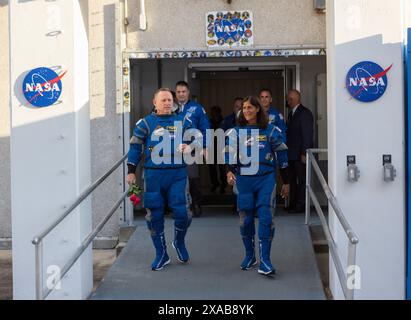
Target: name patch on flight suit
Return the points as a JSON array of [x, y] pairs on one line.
[[261, 139]]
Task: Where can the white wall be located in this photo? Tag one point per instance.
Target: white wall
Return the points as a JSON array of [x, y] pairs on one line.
[[357, 31], [50, 147], [5, 215], [106, 120]]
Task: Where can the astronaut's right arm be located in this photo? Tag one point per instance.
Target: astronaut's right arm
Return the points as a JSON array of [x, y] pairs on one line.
[[137, 143]]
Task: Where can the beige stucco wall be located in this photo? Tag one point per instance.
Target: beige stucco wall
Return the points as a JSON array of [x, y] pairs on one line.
[[5, 215], [105, 126], [181, 23]]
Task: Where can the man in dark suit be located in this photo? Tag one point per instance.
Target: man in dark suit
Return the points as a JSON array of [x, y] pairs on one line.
[[300, 126]]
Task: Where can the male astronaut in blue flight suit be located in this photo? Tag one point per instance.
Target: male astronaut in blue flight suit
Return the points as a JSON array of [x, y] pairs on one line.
[[165, 174], [254, 149], [274, 116], [196, 113]]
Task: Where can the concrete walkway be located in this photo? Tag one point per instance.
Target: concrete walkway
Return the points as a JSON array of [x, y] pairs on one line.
[[216, 252]]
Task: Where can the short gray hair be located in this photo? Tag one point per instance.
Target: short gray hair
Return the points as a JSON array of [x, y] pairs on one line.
[[162, 90]]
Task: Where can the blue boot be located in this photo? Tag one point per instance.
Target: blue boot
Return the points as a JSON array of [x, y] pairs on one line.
[[162, 259], [249, 259], [265, 267], [179, 245]]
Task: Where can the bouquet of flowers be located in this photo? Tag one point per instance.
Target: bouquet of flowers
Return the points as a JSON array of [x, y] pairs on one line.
[[133, 192]]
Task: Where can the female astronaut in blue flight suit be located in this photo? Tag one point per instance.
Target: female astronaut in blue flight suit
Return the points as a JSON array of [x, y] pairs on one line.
[[165, 174], [255, 178]]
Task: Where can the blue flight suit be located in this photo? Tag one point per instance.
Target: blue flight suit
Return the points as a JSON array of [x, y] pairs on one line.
[[163, 181], [196, 113], [257, 191], [277, 119]]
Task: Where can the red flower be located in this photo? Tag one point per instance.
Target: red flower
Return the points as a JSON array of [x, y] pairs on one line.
[[133, 193], [135, 200]]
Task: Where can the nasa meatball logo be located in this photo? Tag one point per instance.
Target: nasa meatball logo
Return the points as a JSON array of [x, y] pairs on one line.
[[42, 87], [367, 81]]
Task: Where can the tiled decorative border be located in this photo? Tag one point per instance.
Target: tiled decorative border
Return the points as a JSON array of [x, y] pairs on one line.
[[226, 53]]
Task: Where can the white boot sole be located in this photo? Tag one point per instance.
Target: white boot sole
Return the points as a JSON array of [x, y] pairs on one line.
[[266, 273], [165, 263], [183, 262], [250, 267]]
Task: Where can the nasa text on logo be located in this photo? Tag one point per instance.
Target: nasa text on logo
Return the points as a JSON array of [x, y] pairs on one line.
[[42, 87], [367, 81]]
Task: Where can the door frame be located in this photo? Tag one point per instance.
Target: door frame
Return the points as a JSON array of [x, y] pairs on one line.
[[251, 65]]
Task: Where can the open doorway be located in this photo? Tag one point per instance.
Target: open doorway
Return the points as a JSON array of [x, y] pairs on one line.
[[216, 81], [219, 84]]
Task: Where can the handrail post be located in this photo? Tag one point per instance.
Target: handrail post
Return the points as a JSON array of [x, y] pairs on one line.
[[39, 268], [352, 247], [307, 184], [350, 273], [129, 213]]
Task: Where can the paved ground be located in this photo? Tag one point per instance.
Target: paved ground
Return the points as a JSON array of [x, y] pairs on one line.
[[6, 279], [103, 259], [214, 273]]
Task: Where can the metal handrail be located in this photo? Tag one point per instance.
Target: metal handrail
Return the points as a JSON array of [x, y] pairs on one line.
[[352, 237], [38, 240]]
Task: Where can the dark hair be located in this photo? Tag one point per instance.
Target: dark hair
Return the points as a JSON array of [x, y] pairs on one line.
[[262, 120], [215, 108], [183, 84], [237, 98], [266, 89]]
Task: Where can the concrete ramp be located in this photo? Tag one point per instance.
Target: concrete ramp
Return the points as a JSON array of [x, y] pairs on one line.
[[216, 251]]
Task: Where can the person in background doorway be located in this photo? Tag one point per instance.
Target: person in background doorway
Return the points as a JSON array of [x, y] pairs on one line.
[[196, 113], [274, 116], [230, 121], [257, 191], [300, 131], [216, 170]]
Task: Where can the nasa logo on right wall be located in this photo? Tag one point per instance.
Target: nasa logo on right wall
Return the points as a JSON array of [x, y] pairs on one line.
[[367, 81]]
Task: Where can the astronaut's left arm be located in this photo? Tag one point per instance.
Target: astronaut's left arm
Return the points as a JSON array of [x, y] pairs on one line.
[[279, 149]]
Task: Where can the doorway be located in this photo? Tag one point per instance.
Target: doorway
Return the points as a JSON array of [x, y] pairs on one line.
[[219, 84]]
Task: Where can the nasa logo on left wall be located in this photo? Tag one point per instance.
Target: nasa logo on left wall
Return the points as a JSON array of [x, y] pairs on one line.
[[42, 87]]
